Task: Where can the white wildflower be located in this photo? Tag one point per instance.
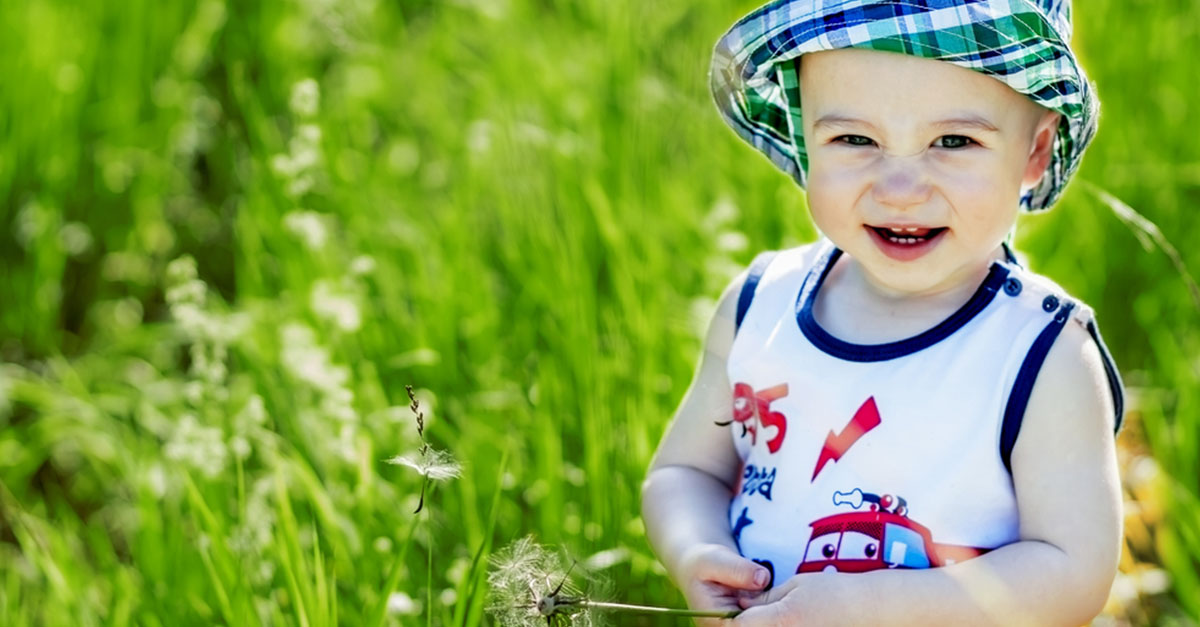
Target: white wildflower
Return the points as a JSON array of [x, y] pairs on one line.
[[253, 414], [362, 264], [401, 604], [732, 241], [308, 226], [76, 238], [458, 570], [156, 480], [306, 98], [240, 447], [479, 136], [308, 361], [403, 157], [311, 363], [335, 306], [305, 147], [31, 222], [198, 446]]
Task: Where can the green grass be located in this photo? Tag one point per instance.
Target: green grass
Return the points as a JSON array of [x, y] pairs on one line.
[[527, 209]]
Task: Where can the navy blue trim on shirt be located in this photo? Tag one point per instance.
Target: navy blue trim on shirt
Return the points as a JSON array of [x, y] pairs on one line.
[[757, 268], [1114, 376], [891, 350], [1018, 398]]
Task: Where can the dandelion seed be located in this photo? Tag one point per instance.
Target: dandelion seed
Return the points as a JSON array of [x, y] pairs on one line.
[[430, 463]]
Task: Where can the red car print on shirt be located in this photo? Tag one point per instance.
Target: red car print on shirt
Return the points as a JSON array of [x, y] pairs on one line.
[[882, 537]]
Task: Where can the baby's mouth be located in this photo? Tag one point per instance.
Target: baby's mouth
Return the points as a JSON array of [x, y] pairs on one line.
[[907, 235]]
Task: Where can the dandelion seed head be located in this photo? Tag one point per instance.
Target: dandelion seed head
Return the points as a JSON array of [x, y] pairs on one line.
[[523, 579]]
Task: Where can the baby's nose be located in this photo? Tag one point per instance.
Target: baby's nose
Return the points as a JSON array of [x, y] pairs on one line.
[[902, 182]]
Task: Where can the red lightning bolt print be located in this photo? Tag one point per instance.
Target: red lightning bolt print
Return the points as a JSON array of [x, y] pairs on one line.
[[836, 444]]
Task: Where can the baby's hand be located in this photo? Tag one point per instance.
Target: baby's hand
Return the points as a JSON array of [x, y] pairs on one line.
[[804, 599], [714, 577]]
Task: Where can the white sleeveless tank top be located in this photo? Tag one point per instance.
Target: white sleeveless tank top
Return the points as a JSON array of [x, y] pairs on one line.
[[894, 455]]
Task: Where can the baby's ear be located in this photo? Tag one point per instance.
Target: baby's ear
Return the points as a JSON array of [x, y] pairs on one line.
[[1040, 151]]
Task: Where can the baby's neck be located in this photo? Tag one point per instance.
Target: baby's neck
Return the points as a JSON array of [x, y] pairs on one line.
[[853, 308]]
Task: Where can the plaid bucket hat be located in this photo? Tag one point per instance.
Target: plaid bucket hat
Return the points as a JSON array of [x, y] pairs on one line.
[[755, 80]]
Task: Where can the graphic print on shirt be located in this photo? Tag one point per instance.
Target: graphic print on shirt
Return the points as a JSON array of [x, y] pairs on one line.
[[743, 521], [758, 480], [836, 444], [752, 410], [881, 537]]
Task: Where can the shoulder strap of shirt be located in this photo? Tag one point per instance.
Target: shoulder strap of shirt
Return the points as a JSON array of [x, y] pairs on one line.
[[757, 268], [1018, 399]]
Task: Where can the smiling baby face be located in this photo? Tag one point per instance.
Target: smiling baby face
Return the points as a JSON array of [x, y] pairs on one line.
[[916, 167]]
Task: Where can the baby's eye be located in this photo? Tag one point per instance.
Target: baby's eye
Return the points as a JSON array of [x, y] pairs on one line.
[[953, 141], [853, 140]]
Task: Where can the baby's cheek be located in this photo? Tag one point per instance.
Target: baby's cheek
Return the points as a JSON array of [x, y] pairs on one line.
[[977, 179], [833, 187]]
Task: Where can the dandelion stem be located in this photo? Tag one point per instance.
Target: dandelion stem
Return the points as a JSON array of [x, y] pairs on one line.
[[626, 608]]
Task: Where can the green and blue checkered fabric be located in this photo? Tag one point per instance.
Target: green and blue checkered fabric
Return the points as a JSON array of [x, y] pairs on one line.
[[1023, 43]]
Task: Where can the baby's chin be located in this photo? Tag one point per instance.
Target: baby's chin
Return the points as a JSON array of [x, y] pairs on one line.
[[900, 281]]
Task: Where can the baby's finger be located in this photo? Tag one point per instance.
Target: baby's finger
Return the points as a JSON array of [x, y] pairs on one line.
[[712, 597], [731, 569], [767, 596], [771, 615]]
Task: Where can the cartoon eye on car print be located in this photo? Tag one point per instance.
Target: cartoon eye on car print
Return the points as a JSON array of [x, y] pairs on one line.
[[882, 537]]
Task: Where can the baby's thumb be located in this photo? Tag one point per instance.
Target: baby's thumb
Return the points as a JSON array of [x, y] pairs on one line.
[[735, 571]]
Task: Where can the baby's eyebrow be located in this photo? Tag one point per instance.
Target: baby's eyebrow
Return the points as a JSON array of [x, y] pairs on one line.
[[840, 120], [970, 121]]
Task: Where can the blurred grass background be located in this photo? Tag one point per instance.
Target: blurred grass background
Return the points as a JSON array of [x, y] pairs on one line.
[[232, 233]]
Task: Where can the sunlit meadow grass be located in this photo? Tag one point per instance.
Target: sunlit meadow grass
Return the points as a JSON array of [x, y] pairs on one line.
[[233, 232]]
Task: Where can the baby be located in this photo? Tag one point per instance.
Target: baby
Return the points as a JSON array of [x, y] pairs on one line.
[[899, 424]]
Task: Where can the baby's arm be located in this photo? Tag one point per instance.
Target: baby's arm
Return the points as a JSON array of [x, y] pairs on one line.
[[1059, 573], [685, 498]]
